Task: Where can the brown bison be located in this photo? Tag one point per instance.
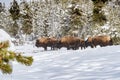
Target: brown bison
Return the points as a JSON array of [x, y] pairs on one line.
[[46, 42], [102, 40], [69, 42]]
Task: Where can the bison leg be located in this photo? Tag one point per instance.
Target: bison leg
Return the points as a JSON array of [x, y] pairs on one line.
[[51, 47], [81, 47], [45, 48], [76, 47], [73, 48], [68, 48], [92, 46], [84, 47]]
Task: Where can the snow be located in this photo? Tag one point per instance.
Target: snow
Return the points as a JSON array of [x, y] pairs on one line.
[[4, 36], [101, 63], [106, 26]]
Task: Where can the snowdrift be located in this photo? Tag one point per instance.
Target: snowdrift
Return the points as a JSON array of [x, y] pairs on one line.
[[4, 36]]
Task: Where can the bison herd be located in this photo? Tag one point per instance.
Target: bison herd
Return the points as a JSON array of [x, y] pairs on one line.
[[74, 43]]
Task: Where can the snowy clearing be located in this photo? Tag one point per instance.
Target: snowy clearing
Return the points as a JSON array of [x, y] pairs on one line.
[[89, 64]]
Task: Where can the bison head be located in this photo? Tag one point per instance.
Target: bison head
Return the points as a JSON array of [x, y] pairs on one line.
[[89, 42], [58, 44], [37, 43]]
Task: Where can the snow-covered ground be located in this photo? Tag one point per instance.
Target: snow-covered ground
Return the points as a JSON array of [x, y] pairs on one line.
[[89, 64]]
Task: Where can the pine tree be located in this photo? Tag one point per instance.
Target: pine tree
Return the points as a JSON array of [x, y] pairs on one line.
[[14, 28], [7, 56], [73, 17], [98, 14], [15, 15], [42, 17], [26, 17], [15, 10], [2, 7]]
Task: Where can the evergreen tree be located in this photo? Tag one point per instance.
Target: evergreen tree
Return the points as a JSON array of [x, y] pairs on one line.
[[5, 19], [14, 28], [72, 19], [98, 14], [2, 7], [26, 17], [40, 20], [45, 29], [42, 17], [15, 15], [14, 10]]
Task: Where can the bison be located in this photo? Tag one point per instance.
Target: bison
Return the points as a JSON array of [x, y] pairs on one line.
[[69, 42], [46, 42], [102, 40]]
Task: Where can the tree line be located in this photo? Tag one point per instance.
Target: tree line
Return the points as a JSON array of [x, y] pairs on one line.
[[61, 17]]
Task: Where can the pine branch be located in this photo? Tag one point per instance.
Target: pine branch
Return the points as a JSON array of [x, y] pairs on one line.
[[4, 44], [24, 60], [5, 68], [7, 56]]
